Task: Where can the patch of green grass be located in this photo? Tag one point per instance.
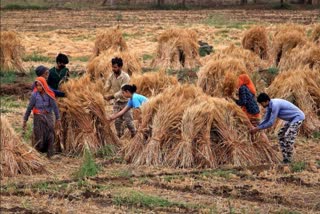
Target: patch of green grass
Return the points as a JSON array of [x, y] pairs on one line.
[[7, 76], [119, 17], [107, 152], [316, 135], [89, 167], [81, 58], [237, 43], [24, 7], [273, 70], [220, 21], [134, 198], [318, 163], [36, 57], [169, 178], [147, 57], [298, 166]]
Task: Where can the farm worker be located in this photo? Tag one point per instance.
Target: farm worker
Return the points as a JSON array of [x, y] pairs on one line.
[[135, 100], [279, 108], [59, 73], [42, 103], [117, 79], [247, 101], [42, 71]]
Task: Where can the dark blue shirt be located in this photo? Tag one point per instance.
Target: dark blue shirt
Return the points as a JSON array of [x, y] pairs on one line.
[[247, 99]]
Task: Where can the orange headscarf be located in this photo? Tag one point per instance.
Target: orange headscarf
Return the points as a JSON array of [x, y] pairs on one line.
[[45, 87], [244, 79]]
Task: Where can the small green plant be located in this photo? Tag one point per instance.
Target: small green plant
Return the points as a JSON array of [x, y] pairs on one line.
[[123, 173], [89, 167], [107, 152], [36, 57], [147, 57], [231, 208], [273, 70], [119, 17], [316, 135], [318, 163], [298, 166]]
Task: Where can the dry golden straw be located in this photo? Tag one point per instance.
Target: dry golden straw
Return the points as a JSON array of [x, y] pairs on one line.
[[177, 49], [16, 157], [11, 52], [256, 40], [152, 83], [84, 118]]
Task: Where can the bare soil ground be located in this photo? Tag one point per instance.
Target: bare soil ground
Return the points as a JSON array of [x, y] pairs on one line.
[[121, 188]]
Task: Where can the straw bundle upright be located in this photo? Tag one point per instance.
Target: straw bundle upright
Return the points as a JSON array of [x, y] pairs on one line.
[[84, 118], [152, 83], [11, 52], [219, 77], [301, 87], [17, 157], [177, 49], [109, 40], [256, 40], [300, 57]]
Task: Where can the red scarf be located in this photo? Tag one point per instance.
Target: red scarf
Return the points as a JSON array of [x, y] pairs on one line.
[[46, 89]]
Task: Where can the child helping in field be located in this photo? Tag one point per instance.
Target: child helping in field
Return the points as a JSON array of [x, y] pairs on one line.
[[135, 100], [42, 71], [59, 73], [42, 104]]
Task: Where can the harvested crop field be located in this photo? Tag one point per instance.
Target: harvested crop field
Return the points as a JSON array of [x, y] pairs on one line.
[[99, 173]]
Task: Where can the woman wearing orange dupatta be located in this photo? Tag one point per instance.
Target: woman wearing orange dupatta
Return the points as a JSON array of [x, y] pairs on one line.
[[42, 104], [247, 99]]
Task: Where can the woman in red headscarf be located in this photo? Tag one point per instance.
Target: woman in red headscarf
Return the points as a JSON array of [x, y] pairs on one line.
[[247, 99], [42, 104]]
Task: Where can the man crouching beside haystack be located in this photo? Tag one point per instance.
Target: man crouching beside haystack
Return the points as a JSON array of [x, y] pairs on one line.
[[117, 79], [279, 108]]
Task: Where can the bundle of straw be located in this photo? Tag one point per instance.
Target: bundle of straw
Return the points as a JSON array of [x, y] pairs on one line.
[[177, 49], [133, 149], [256, 40], [300, 57], [100, 67], [109, 40], [152, 83], [11, 52], [84, 118], [301, 87], [315, 37], [17, 157], [204, 132], [284, 42], [219, 77]]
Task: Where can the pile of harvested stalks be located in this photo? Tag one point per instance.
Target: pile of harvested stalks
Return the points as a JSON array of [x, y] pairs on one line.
[[256, 40], [83, 116], [17, 157]]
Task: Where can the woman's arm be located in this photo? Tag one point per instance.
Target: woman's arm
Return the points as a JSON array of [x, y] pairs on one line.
[[32, 103], [242, 97], [120, 113]]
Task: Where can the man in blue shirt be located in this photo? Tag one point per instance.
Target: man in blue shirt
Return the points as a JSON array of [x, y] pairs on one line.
[[279, 108]]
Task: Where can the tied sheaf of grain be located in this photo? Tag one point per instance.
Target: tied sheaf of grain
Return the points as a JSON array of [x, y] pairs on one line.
[[110, 44], [177, 49], [83, 118], [300, 86], [11, 52], [204, 132], [256, 40], [16, 157]]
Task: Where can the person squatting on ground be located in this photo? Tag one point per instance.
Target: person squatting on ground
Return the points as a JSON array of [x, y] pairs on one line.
[[42, 71], [279, 108], [59, 73], [116, 80], [135, 100], [42, 104]]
